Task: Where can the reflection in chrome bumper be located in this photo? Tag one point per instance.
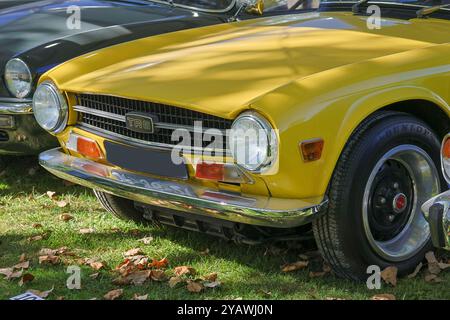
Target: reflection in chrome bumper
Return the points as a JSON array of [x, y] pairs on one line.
[[15, 107], [437, 213], [249, 209]]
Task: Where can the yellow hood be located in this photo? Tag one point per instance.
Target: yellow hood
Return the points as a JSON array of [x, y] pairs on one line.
[[221, 69]]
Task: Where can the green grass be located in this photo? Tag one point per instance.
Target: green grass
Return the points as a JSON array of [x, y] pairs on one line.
[[246, 272]]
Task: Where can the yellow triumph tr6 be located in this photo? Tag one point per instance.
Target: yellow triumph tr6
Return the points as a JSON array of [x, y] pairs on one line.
[[326, 123]]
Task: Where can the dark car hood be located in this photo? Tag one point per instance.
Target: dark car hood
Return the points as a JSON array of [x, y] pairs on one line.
[[38, 33]]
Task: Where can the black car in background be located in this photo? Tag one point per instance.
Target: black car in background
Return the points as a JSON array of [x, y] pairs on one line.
[[37, 36]]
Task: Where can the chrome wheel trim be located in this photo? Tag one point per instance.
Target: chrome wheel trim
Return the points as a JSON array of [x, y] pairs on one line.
[[416, 232]]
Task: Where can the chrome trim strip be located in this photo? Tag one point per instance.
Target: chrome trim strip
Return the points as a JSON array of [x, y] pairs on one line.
[[108, 134], [233, 2], [18, 108], [183, 196], [162, 125]]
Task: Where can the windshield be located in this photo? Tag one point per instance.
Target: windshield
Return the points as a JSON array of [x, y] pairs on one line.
[[427, 3], [204, 5]]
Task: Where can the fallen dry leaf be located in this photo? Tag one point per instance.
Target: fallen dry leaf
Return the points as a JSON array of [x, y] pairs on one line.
[[42, 294], [51, 194], [383, 296], [213, 284], [433, 264], [146, 240], [211, 277], [27, 277], [37, 225], [138, 297], [94, 275], [195, 287], [22, 265], [295, 266], [173, 281], [158, 275], [133, 252], [66, 217], [432, 278], [184, 270], [113, 294], [62, 204], [416, 271], [159, 264], [38, 237], [389, 275], [138, 277], [14, 275], [50, 259], [55, 252], [86, 230], [22, 257]]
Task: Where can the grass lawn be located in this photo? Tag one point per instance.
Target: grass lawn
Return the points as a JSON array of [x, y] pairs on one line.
[[245, 272]]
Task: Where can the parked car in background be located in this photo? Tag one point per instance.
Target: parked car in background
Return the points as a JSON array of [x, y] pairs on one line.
[[437, 209], [349, 121], [36, 37]]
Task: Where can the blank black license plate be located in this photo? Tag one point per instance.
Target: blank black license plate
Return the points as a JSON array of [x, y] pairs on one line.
[[152, 161]]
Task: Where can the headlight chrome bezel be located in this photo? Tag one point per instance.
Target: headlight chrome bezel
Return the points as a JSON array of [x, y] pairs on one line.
[[445, 161], [271, 151], [12, 90], [63, 109]]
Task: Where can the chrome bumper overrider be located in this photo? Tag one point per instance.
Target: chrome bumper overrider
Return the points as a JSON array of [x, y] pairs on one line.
[[242, 208], [11, 106], [437, 213]]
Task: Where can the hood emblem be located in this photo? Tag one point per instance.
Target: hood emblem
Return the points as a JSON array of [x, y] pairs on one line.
[[140, 122]]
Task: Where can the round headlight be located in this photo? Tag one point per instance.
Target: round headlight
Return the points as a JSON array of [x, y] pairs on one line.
[[18, 78], [50, 107], [253, 142]]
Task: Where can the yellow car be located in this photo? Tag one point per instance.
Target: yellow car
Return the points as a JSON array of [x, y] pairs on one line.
[[327, 122]]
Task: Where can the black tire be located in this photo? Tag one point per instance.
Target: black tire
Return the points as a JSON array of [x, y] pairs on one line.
[[340, 233], [120, 207]]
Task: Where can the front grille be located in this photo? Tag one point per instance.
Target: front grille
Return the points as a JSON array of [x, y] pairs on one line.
[[106, 114]]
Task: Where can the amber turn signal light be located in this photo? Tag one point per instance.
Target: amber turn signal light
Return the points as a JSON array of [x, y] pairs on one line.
[[210, 171], [446, 148], [311, 150], [84, 146]]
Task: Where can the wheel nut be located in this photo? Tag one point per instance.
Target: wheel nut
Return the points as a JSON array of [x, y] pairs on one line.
[[396, 185], [391, 217], [382, 200]]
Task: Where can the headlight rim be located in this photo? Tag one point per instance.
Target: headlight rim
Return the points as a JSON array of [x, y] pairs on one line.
[[63, 108], [30, 74], [444, 161], [272, 139]]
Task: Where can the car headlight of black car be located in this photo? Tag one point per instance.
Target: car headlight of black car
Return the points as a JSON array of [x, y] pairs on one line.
[[50, 107], [18, 78]]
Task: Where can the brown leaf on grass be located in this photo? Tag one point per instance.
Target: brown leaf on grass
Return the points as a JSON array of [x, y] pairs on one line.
[[62, 204], [204, 252], [389, 275], [383, 296], [86, 230], [22, 265], [14, 275], [22, 257], [51, 194], [133, 252], [211, 277], [158, 275], [173, 281], [194, 287], [184, 270], [7, 272], [213, 284], [38, 237], [146, 240], [27, 277], [159, 264], [294, 266], [416, 271], [42, 294], [37, 225], [139, 277], [94, 275], [55, 252], [444, 265], [50, 259], [433, 264], [66, 217], [432, 278], [138, 297], [113, 294]]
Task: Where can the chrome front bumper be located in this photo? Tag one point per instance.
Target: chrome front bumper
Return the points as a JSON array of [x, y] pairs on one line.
[[16, 107], [178, 195], [437, 213]]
